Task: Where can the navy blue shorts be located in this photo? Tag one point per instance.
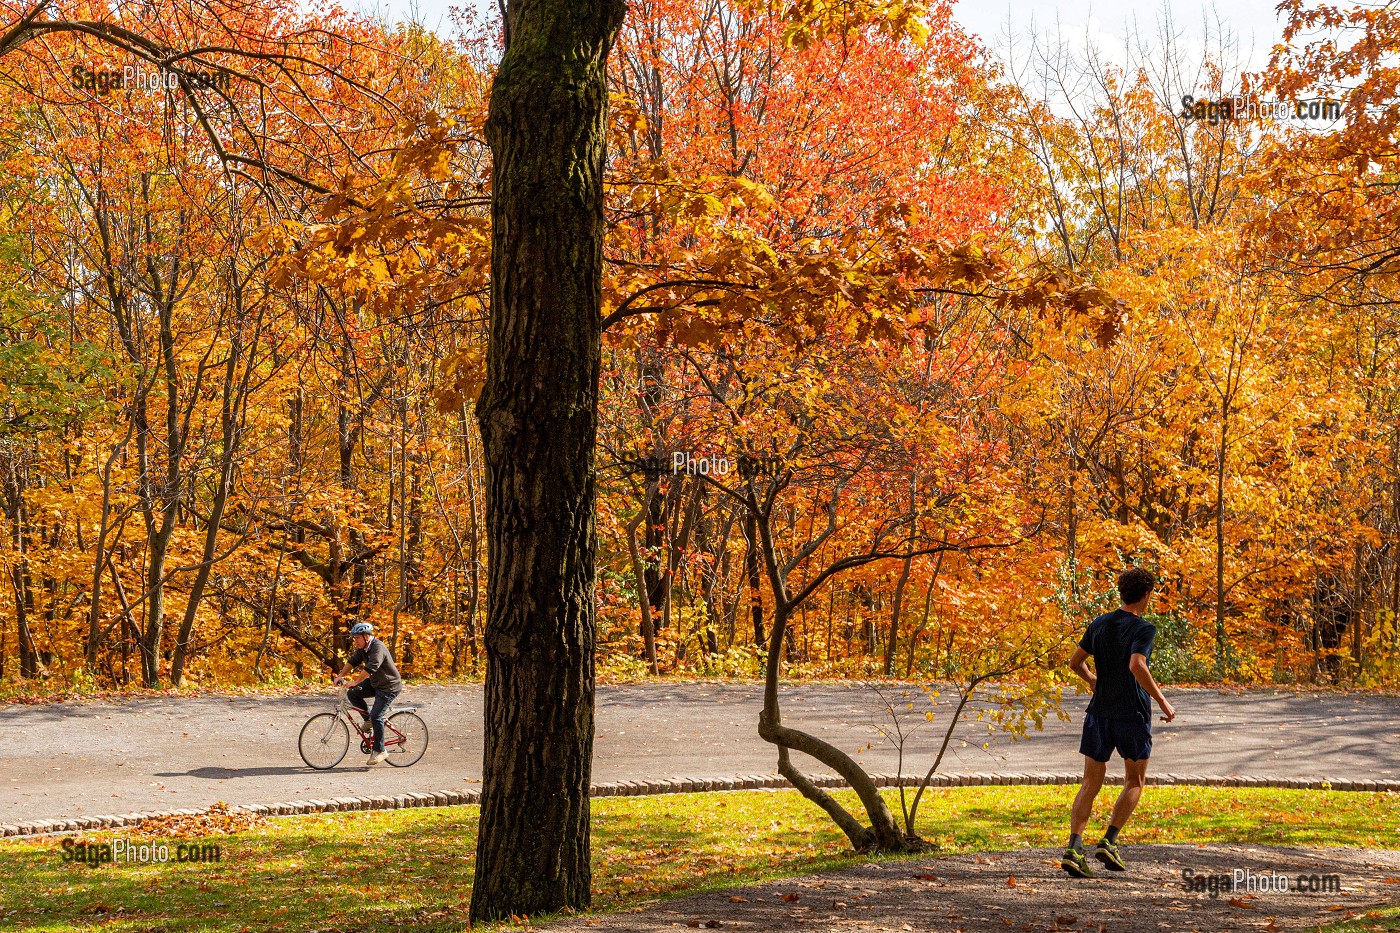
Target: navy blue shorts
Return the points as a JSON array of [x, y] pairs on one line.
[[1102, 737]]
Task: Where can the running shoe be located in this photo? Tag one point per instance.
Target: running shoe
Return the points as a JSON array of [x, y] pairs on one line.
[[1107, 853], [1076, 864]]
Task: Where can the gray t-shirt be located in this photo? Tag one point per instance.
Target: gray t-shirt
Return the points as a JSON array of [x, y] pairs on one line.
[[375, 659]]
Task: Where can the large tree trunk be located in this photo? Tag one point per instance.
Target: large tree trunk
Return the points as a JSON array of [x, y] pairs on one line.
[[538, 416]]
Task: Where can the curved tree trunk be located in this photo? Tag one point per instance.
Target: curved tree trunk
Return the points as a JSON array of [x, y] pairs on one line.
[[538, 417], [883, 832]]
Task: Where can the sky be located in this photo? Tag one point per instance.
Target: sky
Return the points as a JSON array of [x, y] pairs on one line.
[[1254, 22]]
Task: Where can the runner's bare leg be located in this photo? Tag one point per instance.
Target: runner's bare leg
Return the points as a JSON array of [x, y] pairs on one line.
[[1134, 779], [1088, 790]]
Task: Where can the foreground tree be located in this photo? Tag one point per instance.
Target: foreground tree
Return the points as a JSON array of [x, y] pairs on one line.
[[538, 418]]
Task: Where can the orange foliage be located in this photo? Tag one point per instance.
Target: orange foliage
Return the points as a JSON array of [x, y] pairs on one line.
[[961, 356]]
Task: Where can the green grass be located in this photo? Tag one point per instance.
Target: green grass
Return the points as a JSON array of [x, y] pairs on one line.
[[411, 869], [1385, 920]]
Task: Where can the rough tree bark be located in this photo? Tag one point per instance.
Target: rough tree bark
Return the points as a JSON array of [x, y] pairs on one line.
[[538, 417]]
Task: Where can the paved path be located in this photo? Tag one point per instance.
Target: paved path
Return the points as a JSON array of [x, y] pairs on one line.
[[71, 760]]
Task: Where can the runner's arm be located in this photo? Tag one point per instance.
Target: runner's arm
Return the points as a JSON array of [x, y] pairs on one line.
[[1077, 665], [1138, 665]]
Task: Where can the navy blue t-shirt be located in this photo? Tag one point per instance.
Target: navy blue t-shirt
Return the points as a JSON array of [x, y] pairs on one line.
[[1113, 639]]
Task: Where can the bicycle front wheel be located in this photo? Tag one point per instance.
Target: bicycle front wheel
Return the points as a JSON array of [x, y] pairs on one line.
[[324, 741], [407, 739]]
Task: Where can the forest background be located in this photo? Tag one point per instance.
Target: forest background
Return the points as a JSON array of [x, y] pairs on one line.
[[921, 345]]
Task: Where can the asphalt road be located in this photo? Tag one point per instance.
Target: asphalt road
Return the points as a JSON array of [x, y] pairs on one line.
[[93, 758]]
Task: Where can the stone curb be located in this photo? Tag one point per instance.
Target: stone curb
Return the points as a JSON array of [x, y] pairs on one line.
[[683, 785]]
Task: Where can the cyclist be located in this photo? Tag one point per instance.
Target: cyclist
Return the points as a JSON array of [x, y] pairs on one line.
[[380, 680]]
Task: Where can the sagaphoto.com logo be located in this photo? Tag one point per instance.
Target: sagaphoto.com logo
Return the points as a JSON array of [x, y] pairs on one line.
[[1227, 109], [134, 852], [145, 78], [1252, 883]]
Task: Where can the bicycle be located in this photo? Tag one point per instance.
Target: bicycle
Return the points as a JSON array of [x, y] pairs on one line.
[[325, 738]]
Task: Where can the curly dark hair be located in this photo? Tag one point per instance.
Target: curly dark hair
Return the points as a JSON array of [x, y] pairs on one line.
[[1135, 583]]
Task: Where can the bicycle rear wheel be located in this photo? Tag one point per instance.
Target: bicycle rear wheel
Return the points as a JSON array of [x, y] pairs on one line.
[[407, 741], [324, 741]]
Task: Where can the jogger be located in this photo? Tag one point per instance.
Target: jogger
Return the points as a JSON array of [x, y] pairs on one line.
[[1119, 717]]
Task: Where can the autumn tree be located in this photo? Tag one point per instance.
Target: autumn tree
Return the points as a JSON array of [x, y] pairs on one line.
[[538, 412]]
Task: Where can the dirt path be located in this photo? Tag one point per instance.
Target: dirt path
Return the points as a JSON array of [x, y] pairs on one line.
[[1026, 891]]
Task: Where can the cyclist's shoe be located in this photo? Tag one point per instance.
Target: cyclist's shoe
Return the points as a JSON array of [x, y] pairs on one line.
[[376, 758], [1107, 852], [1074, 862]]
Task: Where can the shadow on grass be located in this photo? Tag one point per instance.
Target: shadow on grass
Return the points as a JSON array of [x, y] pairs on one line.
[[397, 870], [412, 869]]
